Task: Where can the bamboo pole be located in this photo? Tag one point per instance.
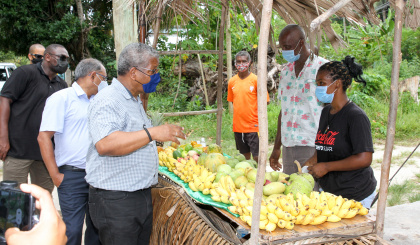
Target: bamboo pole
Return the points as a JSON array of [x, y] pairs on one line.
[[179, 80], [220, 74], [392, 117], [188, 113], [157, 25], [327, 14], [229, 55], [262, 117], [204, 80]]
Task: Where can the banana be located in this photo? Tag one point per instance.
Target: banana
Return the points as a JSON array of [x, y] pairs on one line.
[[299, 219], [239, 210], [281, 223], [304, 210], [351, 213], [234, 201], [206, 191], [249, 194], [363, 211], [250, 202], [323, 197], [333, 218], [339, 201], [200, 186], [289, 225], [225, 199], [285, 205], [335, 209], [358, 205], [326, 212], [264, 216], [211, 177], [319, 220], [192, 186], [216, 198], [271, 208], [230, 183], [315, 212], [248, 209], [222, 191], [308, 219], [343, 212], [288, 217], [263, 209], [272, 218], [305, 200], [241, 194], [248, 220], [207, 184], [243, 203], [213, 192], [263, 224], [331, 202], [295, 211], [312, 203], [321, 205], [204, 174], [270, 227], [279, 213], [233, 209], [346, 204]]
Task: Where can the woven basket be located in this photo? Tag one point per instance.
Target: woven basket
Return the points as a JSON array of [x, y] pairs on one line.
[[178, 220]]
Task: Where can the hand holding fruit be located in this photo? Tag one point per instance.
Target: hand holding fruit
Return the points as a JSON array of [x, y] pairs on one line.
[[168, 132], [318, 170], [274, 160]]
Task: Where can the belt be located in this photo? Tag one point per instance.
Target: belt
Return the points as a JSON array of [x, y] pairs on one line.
[[102, 190], [71, 168]]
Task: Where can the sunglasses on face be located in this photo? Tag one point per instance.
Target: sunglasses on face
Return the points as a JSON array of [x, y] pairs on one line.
[[37, 56], [154, 71], [61, 57]]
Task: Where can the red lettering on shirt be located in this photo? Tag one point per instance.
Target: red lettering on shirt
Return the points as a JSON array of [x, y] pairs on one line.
[[326, 139]]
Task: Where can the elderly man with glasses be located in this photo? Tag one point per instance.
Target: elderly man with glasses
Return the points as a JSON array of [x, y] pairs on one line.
[[22, 101], [122, 161], [65, 118]]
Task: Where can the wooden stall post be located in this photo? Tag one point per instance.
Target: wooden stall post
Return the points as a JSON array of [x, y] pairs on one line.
[[229, 55], [157, 24], [220, 74], [392, 117], [262, 117], [125, 25]]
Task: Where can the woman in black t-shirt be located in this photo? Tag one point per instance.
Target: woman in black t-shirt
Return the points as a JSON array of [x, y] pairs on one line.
[[343, 142]]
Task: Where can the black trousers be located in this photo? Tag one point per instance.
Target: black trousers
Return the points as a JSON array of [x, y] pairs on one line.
[[122, 217]]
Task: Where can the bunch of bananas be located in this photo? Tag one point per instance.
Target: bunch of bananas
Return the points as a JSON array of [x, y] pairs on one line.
[[285, 211], [166, 159], [223, 190]]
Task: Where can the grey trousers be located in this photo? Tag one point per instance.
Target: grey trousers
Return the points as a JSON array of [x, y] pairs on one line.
[[299, 153]]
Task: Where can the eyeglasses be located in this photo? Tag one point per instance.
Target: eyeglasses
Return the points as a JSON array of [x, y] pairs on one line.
[[154, 71], [105, 78], [37, 56], [61, 57]]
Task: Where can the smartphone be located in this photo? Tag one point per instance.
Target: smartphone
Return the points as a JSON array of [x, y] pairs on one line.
[[17, 208]]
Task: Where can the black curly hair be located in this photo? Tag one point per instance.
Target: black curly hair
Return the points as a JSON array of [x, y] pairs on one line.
[[345, 70]]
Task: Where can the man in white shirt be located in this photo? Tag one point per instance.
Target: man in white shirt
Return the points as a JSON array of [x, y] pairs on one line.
[[65, 118], [300, 109]]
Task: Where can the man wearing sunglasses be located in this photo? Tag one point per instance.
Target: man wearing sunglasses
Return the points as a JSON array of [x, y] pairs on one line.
[[22, 101], [36, 53], [65, 118], [122, 161]]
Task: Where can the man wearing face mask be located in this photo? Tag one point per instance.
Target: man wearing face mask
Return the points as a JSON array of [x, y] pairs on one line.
[[22, 101], [300, 110], [65, 118], [242, 93], [149, 88], [36, 53]]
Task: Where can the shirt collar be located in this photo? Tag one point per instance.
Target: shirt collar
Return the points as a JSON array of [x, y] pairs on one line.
[[38, 65], [79, 91], [120, 87]]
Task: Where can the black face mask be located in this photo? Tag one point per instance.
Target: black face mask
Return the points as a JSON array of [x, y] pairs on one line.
[[35, 60], [61, 67]]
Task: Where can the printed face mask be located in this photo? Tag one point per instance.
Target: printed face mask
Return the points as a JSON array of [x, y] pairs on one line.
[[289, 55], [321, 93], [242, 67]]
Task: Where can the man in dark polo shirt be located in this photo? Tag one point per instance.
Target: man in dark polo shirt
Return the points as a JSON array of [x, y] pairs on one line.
[[22, 101]]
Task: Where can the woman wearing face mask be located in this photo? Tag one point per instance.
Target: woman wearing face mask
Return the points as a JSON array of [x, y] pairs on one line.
[[343, 142]]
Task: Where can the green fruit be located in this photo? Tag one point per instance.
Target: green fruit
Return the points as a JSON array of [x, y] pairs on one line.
[[188, 147], [177, 154], [269, 177], [232, 162], [218, 176], [240, 181], [224, 168], [213, 148], [184, 153], [274, 176], [213, 161], [235, 174], [240, 157], [243, 165], [202, 159], [274, 188]]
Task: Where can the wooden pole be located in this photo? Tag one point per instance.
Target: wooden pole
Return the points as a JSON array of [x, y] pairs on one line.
[[188, 113], [262, 117], [125, 25], [327, 14], [157, 25], [176, 52], [229, 55], [142, 23], [220, 74], [179, 79], [392, 117], [204, 80]]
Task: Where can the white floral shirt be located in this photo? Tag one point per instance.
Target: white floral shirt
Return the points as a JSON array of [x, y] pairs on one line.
[[299, 106]]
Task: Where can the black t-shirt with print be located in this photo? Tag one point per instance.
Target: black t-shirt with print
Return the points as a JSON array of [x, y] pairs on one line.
[[339, 136]]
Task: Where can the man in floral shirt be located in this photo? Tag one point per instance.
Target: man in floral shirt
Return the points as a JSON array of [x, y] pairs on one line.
[[298, 120]]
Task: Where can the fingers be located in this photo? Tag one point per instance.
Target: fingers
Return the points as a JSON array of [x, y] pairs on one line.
[[11, 235], [43, 198]]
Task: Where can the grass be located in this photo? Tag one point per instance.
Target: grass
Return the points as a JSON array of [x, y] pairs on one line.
[[407, 192]]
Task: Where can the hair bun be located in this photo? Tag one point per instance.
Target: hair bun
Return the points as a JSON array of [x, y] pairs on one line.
[[355, 70]]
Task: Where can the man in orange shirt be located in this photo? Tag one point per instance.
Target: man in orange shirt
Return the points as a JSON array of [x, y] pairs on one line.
[[242, 92]]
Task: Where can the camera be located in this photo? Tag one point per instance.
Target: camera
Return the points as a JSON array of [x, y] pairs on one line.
[[17, 209]]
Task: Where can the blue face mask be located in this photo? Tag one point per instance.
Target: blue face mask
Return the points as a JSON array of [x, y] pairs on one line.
[[321, 94], [289, 55], [150, 87]]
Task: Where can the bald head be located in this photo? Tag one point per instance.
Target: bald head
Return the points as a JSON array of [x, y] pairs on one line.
[[36, 53], [293, 30]]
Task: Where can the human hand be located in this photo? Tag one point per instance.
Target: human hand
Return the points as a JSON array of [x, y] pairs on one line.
[[168, 132], [318, 170], [4, 147], [50, 230], [58, 179], [274, 160]]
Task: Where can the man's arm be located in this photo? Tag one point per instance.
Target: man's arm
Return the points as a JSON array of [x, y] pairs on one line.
[[275, 155], [121, 143], [47, 152], [4, 126]]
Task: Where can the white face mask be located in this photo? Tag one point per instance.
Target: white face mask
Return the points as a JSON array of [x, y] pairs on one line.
[[102, 85]]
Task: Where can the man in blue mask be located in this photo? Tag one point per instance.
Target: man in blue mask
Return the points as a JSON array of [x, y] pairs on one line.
[[300, 110], [149, 88]]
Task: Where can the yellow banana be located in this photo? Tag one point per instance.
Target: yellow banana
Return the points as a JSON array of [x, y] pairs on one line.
[[333, 218], [239, 210], [264, 216], [200, 186], [308, 219], [233, 209], [289, 225], [243, 203], [339, 201], [263, 224], [249, 194], [351, 213], [192, 186], [288, 217], [335, 209], [241, 194], [279, 213], [312, 203], [207, 184], [211, 177], [271, 207], [270, 227], [315, 212], [213, 192], [222, 191], [263, 209], [323, 197], [326, 212], [304, 210], [272, 218], [234, 201], [285, 205], [206, 191], [342, 213], [363, 211], [346, 204], [281, 223], [216, 198], [358, 205], [319, 220], [331, 202], [294, 211], [305, 200], [299, 219]]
